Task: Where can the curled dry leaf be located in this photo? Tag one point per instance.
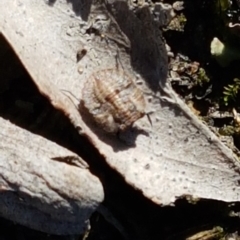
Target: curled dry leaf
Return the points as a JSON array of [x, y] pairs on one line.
[[39, 192], [177, 155]]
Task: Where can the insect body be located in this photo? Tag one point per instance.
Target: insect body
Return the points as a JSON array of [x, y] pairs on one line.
[[113, 100]]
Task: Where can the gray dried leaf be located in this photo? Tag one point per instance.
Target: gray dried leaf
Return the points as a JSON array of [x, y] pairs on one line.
[[177, 155], [62, 196]]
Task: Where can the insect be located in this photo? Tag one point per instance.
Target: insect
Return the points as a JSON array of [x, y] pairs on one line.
[[113, 100]]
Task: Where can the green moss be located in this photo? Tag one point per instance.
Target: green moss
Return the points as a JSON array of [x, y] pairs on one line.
[[231, 91], [227, 130], [202, 77], [222, 5]]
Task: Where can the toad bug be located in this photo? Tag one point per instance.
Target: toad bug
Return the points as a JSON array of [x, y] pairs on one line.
[[113, 100]]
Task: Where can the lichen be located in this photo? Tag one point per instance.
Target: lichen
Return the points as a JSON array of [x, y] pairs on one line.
[[224, 53], [177, 23]]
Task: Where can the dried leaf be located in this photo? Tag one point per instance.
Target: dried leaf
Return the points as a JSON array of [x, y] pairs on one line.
[[177, 155], [39, 192]]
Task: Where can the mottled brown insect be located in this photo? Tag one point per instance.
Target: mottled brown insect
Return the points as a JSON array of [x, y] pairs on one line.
[[113, 100]]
